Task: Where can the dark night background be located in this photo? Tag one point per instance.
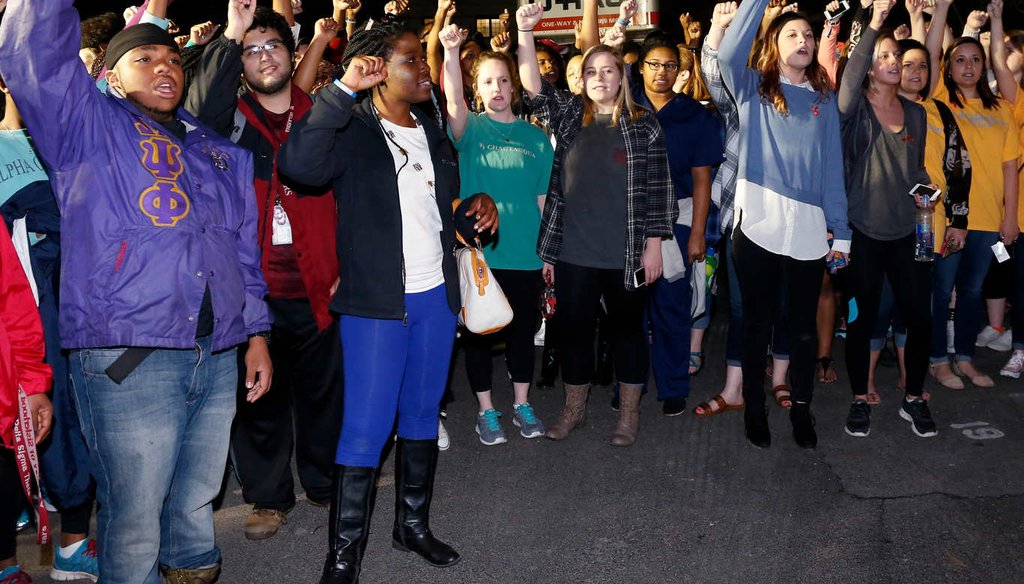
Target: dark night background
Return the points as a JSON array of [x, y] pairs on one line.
[[188, 12]]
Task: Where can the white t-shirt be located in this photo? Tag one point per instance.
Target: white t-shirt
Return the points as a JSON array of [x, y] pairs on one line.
[[421, 222]]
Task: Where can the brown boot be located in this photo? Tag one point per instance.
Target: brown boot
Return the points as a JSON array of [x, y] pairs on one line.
[[574, 413], [629, 415], [192, 576]]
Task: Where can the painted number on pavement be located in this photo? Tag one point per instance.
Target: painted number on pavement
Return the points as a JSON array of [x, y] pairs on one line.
[[978, 430]]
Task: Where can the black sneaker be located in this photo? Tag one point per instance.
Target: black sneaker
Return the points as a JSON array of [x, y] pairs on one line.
[[858, 422], [920, 417], [673, 406]]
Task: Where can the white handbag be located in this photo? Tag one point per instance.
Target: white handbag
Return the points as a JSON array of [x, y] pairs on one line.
[[485, 309]]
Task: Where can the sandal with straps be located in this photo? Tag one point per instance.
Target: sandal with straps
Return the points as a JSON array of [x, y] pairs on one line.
[[723, 406], [782, 395]]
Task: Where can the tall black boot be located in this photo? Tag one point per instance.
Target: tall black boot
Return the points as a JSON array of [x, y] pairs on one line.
[[351, 507], [548, 367], [415, 463]]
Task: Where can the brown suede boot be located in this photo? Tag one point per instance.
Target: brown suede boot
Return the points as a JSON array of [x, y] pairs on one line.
[[574, 413], [629, 415]]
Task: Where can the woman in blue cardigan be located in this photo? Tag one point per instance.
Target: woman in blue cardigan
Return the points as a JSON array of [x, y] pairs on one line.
[[789, 198]]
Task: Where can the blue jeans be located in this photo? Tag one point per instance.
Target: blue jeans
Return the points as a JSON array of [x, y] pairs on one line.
[[668, 315], [394, 368], [159, 443], [966, 270]]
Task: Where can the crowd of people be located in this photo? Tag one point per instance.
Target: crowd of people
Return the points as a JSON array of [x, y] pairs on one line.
[[241, 240]]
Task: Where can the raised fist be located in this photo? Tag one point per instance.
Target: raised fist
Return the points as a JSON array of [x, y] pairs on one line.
[[365, 72]]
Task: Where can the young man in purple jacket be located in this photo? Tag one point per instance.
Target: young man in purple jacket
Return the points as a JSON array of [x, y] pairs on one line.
[[161, 279]]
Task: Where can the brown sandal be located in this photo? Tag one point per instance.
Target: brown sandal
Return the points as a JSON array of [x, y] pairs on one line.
[[723, 406], [782, 396]]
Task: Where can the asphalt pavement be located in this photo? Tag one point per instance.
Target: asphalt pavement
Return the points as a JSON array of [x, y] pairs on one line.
[[692, 501]]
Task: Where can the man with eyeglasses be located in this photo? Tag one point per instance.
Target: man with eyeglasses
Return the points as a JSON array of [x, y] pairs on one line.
[[296, 238], [160, 282]]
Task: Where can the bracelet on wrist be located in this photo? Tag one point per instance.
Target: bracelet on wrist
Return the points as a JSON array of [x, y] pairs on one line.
[[264, 334], [348, 21], [526, 30], [622, 21]]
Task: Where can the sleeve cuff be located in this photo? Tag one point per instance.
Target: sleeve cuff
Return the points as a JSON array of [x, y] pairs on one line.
[[351, 93], [148, 18], [841, 245]]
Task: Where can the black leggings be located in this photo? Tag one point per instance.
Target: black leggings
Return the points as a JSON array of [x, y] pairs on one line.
[[11, 503], [763, 276], [871, 260], [522, 288], [579, 292]]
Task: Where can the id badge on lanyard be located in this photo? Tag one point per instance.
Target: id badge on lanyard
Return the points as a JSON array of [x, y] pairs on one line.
[[281, 230]]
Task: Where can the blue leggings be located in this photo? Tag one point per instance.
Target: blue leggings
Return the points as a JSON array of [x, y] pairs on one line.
[[390, 368]]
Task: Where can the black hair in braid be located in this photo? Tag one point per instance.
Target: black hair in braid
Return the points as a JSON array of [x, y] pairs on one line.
[[376, 39]]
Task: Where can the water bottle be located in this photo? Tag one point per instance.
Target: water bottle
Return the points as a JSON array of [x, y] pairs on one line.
[[924, 242]]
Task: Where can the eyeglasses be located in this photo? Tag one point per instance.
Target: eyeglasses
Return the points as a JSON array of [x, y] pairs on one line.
[[656, 66], [255, 50]]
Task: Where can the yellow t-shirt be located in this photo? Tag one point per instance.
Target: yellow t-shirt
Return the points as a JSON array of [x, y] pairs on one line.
[[1018, 115], [992, 138]]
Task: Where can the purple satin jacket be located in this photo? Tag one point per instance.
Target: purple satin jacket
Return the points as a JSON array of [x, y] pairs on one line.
[[147, 221]]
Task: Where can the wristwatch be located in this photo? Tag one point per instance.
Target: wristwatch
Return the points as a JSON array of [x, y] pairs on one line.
[[264, 334]]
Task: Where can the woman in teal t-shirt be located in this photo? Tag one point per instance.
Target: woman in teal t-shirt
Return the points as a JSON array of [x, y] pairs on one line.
[[510, 160]]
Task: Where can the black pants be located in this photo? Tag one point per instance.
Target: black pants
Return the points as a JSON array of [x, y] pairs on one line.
[[763, 276], [522, 288], [302, 409], [871, 260], [579, 292]]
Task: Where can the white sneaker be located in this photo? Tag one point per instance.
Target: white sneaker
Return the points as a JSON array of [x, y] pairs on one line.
[[444, 441], [1004, 342], [538, 337], [1014, 366], [986, 336], [950, 333]]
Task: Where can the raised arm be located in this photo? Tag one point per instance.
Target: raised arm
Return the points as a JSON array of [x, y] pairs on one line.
[[434, 56], [451, 39], [590, 35], [828, 48], [57, 99], [324, 31], [736, 46], [308, 155], [860, 60], [918, 30], [527, 17], [284, 8], [933, 41], [1004, 78], [212, 97], [976, 20]]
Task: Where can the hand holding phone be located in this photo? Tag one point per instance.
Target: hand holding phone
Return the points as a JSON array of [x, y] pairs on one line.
[[640, 277], [832, 13]]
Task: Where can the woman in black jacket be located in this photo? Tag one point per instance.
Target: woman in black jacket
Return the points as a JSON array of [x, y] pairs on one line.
[[398, 292]]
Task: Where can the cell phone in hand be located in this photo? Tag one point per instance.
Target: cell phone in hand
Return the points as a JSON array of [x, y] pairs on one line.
[[843, 7], [640, 277], [921, 191]]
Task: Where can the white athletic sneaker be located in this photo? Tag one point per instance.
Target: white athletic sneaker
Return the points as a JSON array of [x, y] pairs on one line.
[[444, 441], [1004, 342], [1014, 366], [986, 336]]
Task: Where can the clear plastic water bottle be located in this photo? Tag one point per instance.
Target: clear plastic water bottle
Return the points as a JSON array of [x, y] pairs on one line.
[[924, 243]]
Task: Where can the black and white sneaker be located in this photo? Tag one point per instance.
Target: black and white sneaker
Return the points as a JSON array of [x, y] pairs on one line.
[[858, 421], [673, 406], [920, 417]]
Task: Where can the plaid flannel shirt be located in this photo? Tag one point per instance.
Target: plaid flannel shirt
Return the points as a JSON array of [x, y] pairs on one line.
[[651, 208], [723, 189]]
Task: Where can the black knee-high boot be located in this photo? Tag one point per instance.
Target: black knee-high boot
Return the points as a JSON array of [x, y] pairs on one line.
[[351, 507], [415, 463]]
